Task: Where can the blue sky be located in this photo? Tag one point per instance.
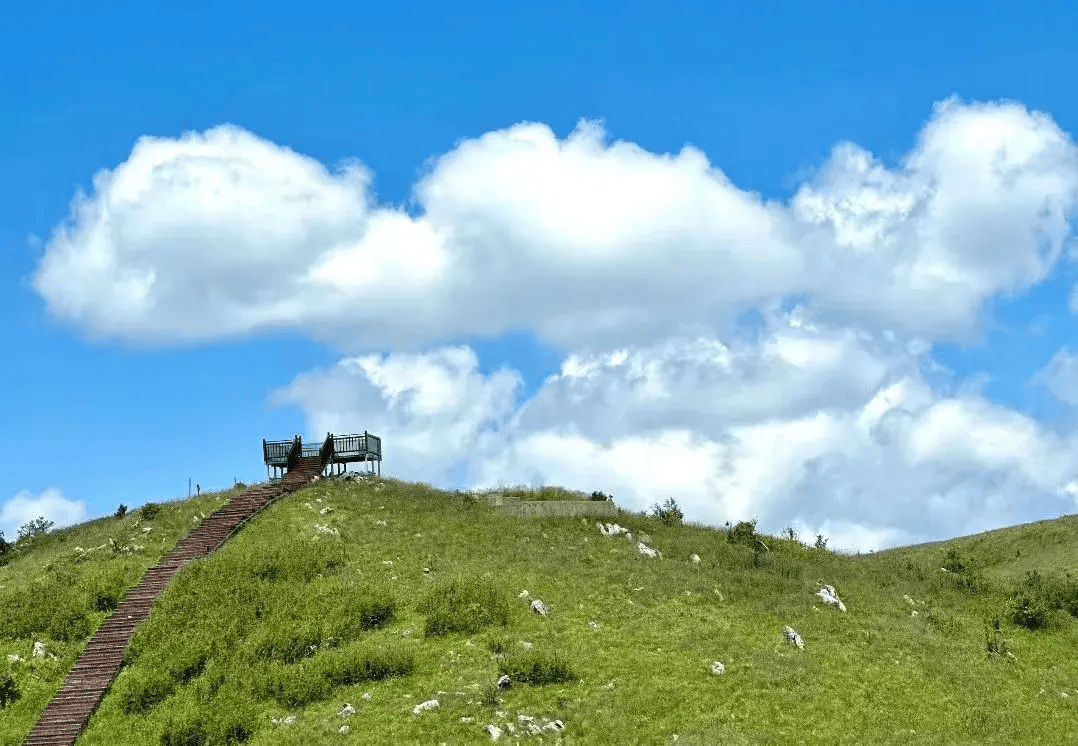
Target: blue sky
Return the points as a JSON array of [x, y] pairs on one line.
[[102, 408]]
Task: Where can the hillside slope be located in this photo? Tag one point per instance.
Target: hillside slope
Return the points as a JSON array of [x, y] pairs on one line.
[[408, 594]]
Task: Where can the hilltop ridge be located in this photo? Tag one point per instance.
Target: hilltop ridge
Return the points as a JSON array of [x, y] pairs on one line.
[[410, 594]]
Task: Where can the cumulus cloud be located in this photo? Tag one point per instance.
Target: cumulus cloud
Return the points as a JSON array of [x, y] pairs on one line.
[[50, 503], [1060, 376], [590, 243], [827, 430], [431, 410]]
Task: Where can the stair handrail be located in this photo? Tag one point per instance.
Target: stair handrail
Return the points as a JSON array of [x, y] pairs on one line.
[[326, 452], [294, 452]]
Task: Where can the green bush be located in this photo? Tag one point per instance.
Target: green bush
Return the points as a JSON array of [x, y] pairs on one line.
[[358, 664], [9, 690], [1031, 603], [121, 511], [668, 513], [285, 642], [149, 511], [37, 527], [599, 496], [536, 667], [743, 533], [465, 605], [141, 691]]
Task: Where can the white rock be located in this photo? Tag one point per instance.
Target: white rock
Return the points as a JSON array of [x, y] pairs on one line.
[[387, 563], [494, 731], [717, 668], [13, 658], [647, 551], [466, 719], [323, 511], [380, 523], [827, 593], [540, 608], [430, 704], [523, 594], [525, 718], [555, 725], [146, 529], [526, 645], [347, 711], [289, 719], [907, 599], [611, 529], [695, 559], [366, 696], [39, 650], [793, 638], [344, 729], [593, 624], [326, 529]]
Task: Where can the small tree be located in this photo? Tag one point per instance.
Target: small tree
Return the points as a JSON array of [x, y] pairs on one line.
[[789, 533], [743, 533], [121, 511], [599, 496], [669, 512], [149, 511], [821, 542], [36, 527]]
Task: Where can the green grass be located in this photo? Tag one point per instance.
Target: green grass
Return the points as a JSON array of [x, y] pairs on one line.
[[286, 621]]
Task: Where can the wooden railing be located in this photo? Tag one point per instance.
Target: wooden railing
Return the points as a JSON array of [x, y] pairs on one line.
[[295, 452], [325, 453]]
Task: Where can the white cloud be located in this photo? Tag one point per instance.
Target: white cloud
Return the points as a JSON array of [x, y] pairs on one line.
[[590, 243], [1060, 376], [831, 431], [431, 410], [50, 503]]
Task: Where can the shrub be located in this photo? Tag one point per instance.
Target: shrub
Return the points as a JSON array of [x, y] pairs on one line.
[[359, 664], [536, 667], [821, 542], [355, 614], [121, 511], [953, 561], [743, 533], [789, 534], [143, 690], [285, 643], [464, 605], [599, 496], [9, 690], [294, 686], [149, 511], [34, 528], [668, 513], [994, 644], [1031, 604]]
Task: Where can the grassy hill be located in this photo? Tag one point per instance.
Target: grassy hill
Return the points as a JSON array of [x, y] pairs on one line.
[[384, 595]]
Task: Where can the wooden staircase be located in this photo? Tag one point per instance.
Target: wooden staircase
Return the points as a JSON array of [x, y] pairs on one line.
[[85, 686]]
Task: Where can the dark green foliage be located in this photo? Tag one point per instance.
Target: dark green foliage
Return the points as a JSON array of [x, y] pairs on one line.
[[121, 511], [37, 527], [142, 691], [149, 511], [1032, 602], [599, 496], [743, 533], [669, 513], [953, 561], [821, 542], [355, 665], [994, 644], [536, 667], [9, 690], [789, 534], [285, 643], [465, 605]]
